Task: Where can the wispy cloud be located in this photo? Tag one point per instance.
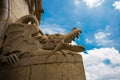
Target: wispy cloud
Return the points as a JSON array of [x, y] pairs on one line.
[[102, 64], [93, 3], [101, 38], [89, 41], [52, 28], [77, 3], [116, 4]]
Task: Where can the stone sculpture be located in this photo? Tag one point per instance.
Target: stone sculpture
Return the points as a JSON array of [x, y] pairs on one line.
[[22, 37], [11, 10], [26, 53]]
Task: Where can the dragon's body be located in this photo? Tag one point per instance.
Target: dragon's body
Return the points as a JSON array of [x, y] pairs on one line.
[[24, 36]]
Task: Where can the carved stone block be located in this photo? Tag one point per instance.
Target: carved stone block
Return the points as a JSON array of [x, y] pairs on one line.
[[43, 68]]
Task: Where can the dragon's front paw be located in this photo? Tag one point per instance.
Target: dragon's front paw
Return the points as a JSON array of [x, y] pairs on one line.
[[12, 59]]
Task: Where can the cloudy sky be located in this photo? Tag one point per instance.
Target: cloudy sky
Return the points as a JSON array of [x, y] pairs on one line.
[[99, 21]]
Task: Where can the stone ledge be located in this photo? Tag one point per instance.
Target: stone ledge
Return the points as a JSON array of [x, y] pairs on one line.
[[53, 59]]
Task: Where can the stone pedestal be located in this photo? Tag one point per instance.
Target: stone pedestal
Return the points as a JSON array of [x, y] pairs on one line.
[[55, 67]]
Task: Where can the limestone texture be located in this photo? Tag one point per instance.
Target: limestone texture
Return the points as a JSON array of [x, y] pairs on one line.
[[26, 53]]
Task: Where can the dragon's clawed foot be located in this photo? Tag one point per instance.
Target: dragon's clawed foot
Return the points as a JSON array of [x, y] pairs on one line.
[[12, 59], [9, 60]]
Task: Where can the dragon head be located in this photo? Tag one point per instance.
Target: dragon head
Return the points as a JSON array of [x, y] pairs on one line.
[[62, 41], [68, 38], [72, 35]]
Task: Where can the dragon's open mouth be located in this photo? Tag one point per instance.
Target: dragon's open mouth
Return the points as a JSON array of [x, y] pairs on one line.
[[71, 37]]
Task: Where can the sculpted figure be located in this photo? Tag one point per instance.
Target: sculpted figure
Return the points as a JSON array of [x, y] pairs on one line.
[[21, 38], [58, 42], [26, 53], [25, 38]]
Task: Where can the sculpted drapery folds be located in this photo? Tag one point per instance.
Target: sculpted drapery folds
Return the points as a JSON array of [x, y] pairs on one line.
[[35, 8]]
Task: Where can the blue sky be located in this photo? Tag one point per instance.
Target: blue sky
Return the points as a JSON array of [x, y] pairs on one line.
[[99, 21]]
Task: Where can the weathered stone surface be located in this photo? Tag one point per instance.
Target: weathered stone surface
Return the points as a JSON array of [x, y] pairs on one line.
[[26, 53], [18, 73], [40, 68], [58, 71], [10, 11]]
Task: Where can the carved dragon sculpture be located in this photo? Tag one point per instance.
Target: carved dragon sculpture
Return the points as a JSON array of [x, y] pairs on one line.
[[57, 42], [25, 37]]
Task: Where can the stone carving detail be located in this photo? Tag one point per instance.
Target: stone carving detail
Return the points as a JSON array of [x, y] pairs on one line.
[[26, 53], [25, 37], [11, 10], [35, 8]]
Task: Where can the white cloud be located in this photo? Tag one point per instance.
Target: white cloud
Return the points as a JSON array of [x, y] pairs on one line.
[[97, 69], [116, 4], [77, 3], [101, 38], [52, 28], [93, 3], [89, 41]]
